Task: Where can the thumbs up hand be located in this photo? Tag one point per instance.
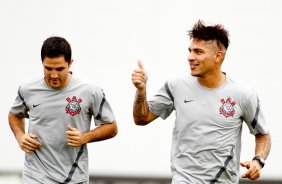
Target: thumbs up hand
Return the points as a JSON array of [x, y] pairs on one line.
[[139, 77]]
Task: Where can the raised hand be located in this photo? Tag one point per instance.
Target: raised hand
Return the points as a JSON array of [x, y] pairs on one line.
[[139, 77]]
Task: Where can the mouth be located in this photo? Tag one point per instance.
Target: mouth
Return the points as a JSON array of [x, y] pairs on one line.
[[54, 81], [193, 66]]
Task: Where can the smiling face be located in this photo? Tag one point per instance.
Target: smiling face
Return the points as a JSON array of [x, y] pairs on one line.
[[204, 58], [56, 72]]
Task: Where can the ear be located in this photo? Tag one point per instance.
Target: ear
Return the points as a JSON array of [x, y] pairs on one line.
[[71, 61], [219, 56]]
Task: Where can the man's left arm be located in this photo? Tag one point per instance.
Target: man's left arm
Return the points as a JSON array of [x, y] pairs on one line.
[[102, 132], [263, 145]]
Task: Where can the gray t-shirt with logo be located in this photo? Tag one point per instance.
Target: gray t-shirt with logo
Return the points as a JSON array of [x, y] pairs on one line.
[[206, 141], [50, 111]]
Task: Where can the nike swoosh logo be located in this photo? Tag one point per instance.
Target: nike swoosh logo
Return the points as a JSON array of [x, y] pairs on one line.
[[187, 101], [36, 105]]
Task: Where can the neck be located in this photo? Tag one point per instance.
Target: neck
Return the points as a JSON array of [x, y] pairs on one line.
[[212, 81]]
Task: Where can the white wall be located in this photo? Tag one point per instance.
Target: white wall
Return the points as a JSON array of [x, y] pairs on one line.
[[107, 38]]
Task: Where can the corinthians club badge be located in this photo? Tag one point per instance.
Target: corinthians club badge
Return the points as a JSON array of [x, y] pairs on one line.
[[73, 107], [227, 108]]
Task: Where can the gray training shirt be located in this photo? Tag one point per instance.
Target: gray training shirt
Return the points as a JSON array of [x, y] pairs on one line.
[[206, 141], [50, 111]]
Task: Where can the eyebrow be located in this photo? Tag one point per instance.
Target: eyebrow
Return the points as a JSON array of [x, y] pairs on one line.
[[195, 49], [50, 68]]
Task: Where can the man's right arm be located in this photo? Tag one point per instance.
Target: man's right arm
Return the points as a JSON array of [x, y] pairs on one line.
[[26, 142], [141, 113]]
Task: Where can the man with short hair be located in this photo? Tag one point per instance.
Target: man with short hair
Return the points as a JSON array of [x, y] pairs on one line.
[[59, 107], [210, 109]]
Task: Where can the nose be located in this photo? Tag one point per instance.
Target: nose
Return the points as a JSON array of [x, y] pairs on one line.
[[191, 57], [54, 74]]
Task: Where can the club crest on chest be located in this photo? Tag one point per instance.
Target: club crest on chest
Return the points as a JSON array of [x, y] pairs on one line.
[[227, 107], [73, 107]]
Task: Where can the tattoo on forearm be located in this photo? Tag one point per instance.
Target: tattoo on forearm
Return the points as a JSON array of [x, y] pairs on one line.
[[140, 106]]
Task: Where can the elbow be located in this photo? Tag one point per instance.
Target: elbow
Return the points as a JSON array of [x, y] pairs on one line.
[[140, 122], [114, 131]]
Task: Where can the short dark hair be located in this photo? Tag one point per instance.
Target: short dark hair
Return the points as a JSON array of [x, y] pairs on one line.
[[55, 47], [210, 33]]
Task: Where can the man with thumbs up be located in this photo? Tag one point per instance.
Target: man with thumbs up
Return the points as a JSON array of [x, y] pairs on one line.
[[210, 111]]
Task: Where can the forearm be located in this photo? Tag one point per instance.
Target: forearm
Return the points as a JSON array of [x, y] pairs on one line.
[[103, 132], [140, 108], [263, 145], [17, 125]]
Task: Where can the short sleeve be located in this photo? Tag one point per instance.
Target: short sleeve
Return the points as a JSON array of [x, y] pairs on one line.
[[253, 115], [100, 107], [162, 103], [19, 107]]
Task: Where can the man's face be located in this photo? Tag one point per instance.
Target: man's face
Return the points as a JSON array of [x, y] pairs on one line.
[[56, 72], [203, 58]]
